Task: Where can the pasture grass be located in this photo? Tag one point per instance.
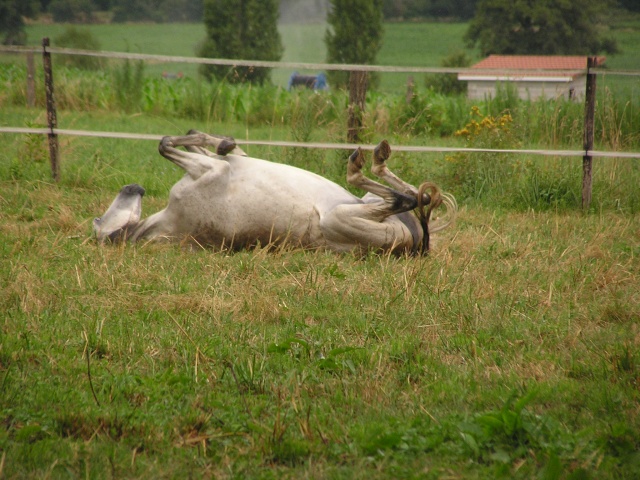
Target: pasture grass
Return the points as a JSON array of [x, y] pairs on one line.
[[511, 351]]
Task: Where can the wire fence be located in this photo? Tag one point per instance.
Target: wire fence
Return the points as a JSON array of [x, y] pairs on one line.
[[53, 131], [286, 65], [325, 145]]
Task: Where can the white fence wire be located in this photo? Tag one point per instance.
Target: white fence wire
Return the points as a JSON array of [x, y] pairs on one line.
[[284, 65], [326, 146]]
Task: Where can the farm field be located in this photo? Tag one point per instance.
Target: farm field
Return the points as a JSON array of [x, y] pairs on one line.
[[405, 44], [511, 351], [421, 44]]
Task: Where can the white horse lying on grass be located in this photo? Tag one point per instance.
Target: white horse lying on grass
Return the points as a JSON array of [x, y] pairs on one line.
[[231, 201]]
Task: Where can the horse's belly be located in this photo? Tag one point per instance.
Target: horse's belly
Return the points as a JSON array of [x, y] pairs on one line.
[[251, 207]]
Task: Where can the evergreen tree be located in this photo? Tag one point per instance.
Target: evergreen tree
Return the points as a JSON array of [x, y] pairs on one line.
[[354, 34], [241, 29], [11, 22], [545, 27]]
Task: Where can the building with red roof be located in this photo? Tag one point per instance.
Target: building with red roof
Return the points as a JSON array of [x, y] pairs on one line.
[[533, 76]]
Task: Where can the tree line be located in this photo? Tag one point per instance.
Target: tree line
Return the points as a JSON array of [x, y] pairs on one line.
[[161, 11], [354, 34], [13, 12], [248, 28]]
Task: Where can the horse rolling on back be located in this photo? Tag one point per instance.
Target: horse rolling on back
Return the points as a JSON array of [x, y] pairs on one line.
[[229, 200]]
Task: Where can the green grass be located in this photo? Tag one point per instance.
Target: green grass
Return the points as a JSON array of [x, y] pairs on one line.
[[165, 39], [420, 44], [510, 352]]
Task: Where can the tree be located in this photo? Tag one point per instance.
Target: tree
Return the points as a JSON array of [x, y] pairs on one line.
[[448, 83], [547, 27], [241, 29], [631, 5], [141, 11], [354, 34], [11, 19], [154, 10], [134, 11], [71, 11], [463, 9]]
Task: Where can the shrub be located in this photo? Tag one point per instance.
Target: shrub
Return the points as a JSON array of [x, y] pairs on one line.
[[448, 83], [80, 38], [128, 83]]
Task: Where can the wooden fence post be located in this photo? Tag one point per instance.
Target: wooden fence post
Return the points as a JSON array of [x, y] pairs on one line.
[[589, 119], [31, 82], [410, 90], [358, 82], [52, 117]]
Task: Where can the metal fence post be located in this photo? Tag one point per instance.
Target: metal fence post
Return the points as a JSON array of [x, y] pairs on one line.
[[589, 119], [52, 117]]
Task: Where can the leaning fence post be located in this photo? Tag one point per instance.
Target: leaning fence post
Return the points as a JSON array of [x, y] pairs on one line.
[[589, 118], [358, 82], [52, 118]]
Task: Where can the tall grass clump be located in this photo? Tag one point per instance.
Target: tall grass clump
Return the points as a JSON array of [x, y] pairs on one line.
[[128, 84], [550, 122], [617, 122], [553, 123], [182, 97], [310, 116], [545, 184], [13, 90], [83, 90], [478, 175], [506, 179], [424, 112], [506, 99]]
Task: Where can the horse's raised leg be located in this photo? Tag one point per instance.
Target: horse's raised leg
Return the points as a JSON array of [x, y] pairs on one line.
[[203, 168], [197, 160], [197, 141], [394, 201], [379, 168]]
